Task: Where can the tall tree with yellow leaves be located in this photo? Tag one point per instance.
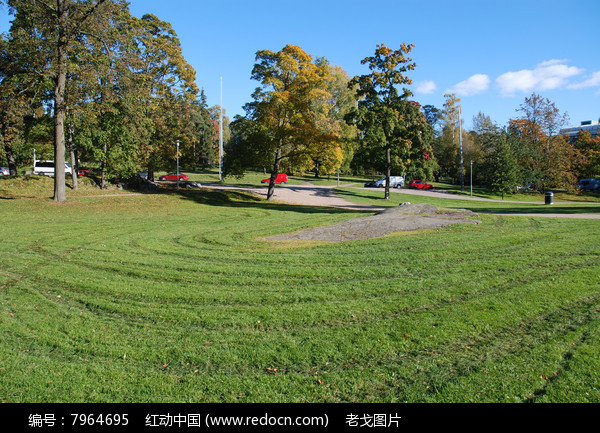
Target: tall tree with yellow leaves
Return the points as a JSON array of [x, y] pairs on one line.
[[285, 120]]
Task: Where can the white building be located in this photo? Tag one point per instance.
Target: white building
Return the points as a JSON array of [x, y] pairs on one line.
[[592, 126]]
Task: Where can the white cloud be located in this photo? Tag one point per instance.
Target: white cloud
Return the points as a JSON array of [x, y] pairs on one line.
[[473, 85], [593, 81], [548, 75], [426, 87]]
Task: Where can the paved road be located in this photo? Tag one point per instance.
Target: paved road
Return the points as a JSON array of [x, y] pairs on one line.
[[315, 195]]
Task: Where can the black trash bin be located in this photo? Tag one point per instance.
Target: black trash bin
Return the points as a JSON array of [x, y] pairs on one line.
[[549, 197]]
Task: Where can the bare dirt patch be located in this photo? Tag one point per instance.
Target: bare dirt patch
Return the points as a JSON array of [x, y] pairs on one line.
[[406, 217]]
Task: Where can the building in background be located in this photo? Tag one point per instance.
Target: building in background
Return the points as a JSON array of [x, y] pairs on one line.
[[592, 126]]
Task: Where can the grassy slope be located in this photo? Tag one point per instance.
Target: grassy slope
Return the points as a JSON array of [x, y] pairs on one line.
[[179, 298]]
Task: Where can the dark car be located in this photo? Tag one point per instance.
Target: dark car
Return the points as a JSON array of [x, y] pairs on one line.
[[588, 184], [419, 184], [173, 176]]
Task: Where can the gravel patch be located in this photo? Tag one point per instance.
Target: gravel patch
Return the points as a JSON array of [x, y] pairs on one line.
[[406, 217]]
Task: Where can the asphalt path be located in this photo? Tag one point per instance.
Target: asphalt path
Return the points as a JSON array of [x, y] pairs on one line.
[[318, 195]]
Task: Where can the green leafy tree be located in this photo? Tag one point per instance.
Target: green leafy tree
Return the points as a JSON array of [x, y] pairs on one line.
[[502, 165], [421, 162], [447, 144], [389, 123], [170, 92], [205, 144], [105, 95], [50, 30]]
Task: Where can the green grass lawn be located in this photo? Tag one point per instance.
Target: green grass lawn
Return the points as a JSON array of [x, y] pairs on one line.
[[180, 298]]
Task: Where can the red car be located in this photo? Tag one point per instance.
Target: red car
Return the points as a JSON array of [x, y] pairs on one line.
[[281, 178], [419, 184], [173, 176]]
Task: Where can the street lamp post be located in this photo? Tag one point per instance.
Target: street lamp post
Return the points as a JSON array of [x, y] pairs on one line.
[[471, 178]]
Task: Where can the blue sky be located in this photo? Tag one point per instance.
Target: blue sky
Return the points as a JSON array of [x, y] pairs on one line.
[[491, 53]]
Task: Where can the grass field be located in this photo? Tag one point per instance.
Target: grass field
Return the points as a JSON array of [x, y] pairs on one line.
[[180, 298]]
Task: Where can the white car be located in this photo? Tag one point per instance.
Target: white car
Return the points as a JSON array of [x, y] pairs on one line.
[[395, 182], [4, 171], [46, 168]]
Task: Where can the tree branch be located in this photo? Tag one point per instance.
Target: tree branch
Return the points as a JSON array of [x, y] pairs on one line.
[[85, 16], [46, 5]]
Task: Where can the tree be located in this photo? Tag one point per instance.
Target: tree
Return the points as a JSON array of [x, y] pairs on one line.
[[170, 100], [448, 143], [341, 101], [381, 110], [543, 157], [434, 117], [205, 145], [105, 98], [483, 124], [55, 27], [589, 147], [118, 84], [502, 165], [540, 117], [281, 123], [421, 162]]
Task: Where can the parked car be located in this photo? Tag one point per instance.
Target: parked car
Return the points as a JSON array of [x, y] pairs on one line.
[[588, 184], [395, 182], [528, 187], [4, 171], [83, 172], [173, 176], [46, 168], [281, 178], [419, 184]]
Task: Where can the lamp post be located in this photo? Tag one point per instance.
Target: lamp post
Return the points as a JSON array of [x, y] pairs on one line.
[[471, 178]]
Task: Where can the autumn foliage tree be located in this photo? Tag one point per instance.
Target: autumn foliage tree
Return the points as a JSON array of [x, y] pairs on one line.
[[589, 148], [284, 122], [545, 158]]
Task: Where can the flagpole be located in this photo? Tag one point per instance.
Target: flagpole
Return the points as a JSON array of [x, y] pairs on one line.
[[462, 174], [221, 136]]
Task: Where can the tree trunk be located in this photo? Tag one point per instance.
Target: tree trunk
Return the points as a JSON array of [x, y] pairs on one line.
[[274, 174], [103, 172], [388, 173], [59, 102], [8, 149], [74, 165]]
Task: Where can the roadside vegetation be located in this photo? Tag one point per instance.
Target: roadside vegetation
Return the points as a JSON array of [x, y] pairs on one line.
[[179, 298]]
